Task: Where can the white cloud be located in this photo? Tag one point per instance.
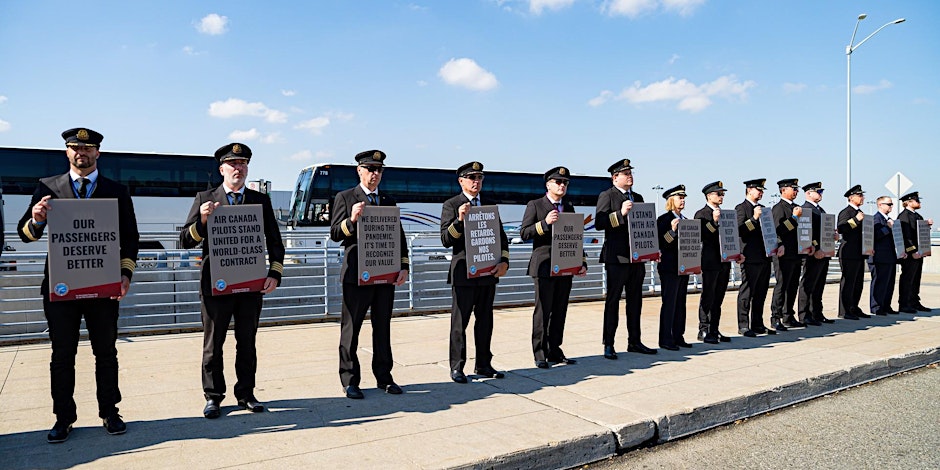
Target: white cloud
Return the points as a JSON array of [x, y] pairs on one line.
[[250, 134], [213, 24], [3, 99], [537, 6], [288, 92], [340, 116], [235, 107], [689, 96], [190, 50], [866, 89], [323, 155], [315, 125], [4, 126], [636, 8], [301, 156], [272, 138], [674, 59], [794, 87], [682, 7], [467, 74]]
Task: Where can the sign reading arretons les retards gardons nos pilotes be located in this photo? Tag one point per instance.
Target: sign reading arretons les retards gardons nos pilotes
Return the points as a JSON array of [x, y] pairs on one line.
[[481, 226], [567, 244], [236, 249], [377, 234], [644, 237], [84, 249]]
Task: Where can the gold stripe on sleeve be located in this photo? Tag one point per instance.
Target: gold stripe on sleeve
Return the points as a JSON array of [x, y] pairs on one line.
[[538, 228], [278, 267], [194, 233], [614, 222], [852, 222], [749, 224], [452, 230], [345, 228], [28, 232]]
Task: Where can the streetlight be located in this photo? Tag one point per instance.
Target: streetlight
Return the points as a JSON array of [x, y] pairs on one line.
[[848, 92], [658, 190]]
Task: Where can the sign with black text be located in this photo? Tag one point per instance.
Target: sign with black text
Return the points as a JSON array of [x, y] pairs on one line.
[[868, 236], [644, 238], [923, 238], [827, 234], [567, 244], [729, 240], [481, 230], [897, 236], [768, 231], [379, 240], [690, 246], [804, 233], [236, 249], [84, 249]]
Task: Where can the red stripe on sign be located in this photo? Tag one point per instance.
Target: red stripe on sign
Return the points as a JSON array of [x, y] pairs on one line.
[[104, 291], [247, 286]]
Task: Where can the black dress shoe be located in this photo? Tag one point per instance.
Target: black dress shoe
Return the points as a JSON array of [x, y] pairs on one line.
[[669, 347], [723, 338], [777, 325], [880, 313], [748, 333], [711, 338], [563, 360], [701, 335], [59, 432], [891, 311], [212, 409], [921, 308], [391, 389], [907, 310], [489, 372], [793, 323], [114, 424], [354, 392], [458, 376], [763, 330], [813, 321], [251, 404], [848, 317], [683, 344], [609, 353], [862, 315], [823, 319], [542, 364], [640, 348]]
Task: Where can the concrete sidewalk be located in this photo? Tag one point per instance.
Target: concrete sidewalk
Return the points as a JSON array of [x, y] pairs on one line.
[[534, 418]]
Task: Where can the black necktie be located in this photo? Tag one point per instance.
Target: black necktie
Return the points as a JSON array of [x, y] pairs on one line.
[[83, 189], [559, 207], [236, 198], [475, 202], [630, 195], [373, 199]]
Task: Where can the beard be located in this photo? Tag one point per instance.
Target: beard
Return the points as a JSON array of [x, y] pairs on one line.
[[87, 162]]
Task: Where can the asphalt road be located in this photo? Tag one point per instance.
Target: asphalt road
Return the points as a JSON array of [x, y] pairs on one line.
[[891, 423]]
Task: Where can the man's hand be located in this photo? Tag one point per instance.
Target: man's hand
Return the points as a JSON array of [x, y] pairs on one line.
[[551, 217], [462, 211], [402, 277], [757, 212], [269, 285], [625, 207], [206, 209], [40, 208], [501, 269], [356, 211], [675, 224], [716, 214], [860, 216], [582, 272], [797, 211], [125, 286]]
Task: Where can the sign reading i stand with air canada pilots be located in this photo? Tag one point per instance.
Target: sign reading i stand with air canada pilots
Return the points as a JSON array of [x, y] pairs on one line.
[[728, 235], [379, 240], [644, 237], [690, 246], [481, 226], [567, 244], [84, 249], [236, 249], [868, 236], [923, 238], [768, 231], [804, 233], [827, 234]]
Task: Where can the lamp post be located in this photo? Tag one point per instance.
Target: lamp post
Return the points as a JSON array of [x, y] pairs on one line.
[[658, 190], [848, 92]]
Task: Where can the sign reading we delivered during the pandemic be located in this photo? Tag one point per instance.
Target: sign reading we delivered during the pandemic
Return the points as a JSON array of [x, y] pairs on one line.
[[236, 249], [378, 235], [481, 224], [84, 249], [567, 244]]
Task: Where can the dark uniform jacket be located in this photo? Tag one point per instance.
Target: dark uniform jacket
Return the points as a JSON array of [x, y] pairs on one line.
[[452, 236], [614, 224], [534, 228], [752, 238], [817, 221], [343, 230], [61, 187], [851, 230], [786, 228], [884, 241], [711, 241], [668, 241], [194, 232], [908, 219]]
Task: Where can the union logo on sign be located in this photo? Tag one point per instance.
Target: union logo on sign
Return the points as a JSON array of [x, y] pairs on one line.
[[61, 289], [220, 285], [473, 269], [555, 269], [365, 275]]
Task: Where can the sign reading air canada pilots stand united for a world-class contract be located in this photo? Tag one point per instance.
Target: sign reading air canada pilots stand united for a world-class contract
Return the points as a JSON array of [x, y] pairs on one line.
[[379, 240], [236, 249], [827, 234], [804, 232], [923, 238], [644, 237], [567, 244], [481, 229], [84, 249], [768, 231], [728, 235], [690, 246]]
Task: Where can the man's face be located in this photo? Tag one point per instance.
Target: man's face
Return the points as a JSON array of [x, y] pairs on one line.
[[755, 194], [814, 196], [788, 193], [885, 206], [857, 199], [623, 179], [234, 172], [370, 175], [471, 184], [557, 187], [914, 204], [715, 198], [82, 157]]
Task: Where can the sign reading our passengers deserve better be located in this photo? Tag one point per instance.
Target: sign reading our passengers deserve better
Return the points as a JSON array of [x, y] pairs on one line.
[[236, 249], [728, 235], [644, 237], [567, 244], [481, 228], [827, 234], [84, 249], [804, 233], [768, 232], [379, 240], [690, 246]]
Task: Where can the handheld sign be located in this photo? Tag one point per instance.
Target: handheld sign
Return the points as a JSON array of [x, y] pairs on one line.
[[923, 238], [481, 227], [377, 233], [898, 237], [728, 234], [567, 244], [236, 249], [804, 233], [769, 232], [690, 246], [868, 236], [827, 234], [644, 239], [84, 249]]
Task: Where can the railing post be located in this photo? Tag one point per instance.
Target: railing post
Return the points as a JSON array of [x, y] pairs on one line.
[[411, 285], [326, 276]]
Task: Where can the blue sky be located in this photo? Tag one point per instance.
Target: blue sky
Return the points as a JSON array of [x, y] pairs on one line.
[[691, 91]]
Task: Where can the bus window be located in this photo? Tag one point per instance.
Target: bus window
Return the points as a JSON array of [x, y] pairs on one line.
[[298, 211]]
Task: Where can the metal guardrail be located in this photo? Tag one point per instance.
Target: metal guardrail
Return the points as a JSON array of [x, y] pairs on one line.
[[164, 295]]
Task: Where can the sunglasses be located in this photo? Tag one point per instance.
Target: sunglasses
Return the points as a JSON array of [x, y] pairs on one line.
[[474, 177], [560, 182], [373, 168], [886, 203]]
